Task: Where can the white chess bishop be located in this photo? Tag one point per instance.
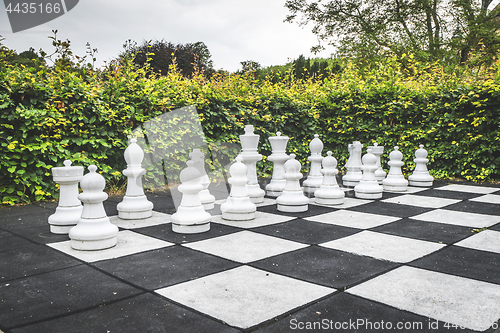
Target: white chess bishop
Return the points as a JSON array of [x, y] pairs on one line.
[[190, 217], [292, 199], [198, 157], [69, 208], [329, 192], [238, 206], [368, 187], [315, 178], [395, 180], [135, 204], [278, 157], [378, 151], [249, 142], [420, 176], [94, 231], [353, 165]]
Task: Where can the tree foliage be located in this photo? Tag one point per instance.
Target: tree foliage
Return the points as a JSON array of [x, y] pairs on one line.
[[431, 29]]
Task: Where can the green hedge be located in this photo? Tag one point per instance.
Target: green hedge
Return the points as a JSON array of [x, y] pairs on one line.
[[87, 116]]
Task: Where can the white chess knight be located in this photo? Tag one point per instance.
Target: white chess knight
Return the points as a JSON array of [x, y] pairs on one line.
[[198, 157], [135, 204], [315, 178], [278, 157], [69, 208], [94, 231], [420, 176], [353, 165], [249, 142], [190, 217], [292, 199], [368, 187], [329, 192], [395, 180], [238, 206], [378, 151]]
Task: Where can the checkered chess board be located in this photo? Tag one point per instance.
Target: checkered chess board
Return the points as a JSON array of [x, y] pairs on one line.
[[427, 260]]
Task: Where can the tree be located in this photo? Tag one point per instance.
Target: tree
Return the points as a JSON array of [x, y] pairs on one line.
[[431, 29], [160, 55]]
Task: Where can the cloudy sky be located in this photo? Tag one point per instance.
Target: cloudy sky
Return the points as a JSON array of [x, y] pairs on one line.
[[233, 30]]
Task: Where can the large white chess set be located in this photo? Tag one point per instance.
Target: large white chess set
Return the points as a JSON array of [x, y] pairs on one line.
[[89, 228]]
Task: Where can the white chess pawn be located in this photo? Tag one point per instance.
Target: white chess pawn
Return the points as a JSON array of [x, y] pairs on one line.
[[292, 199], [135, 204], [94, 231], [368, 187], [278, 157], [315, 178], [329, 192], [238, 206], [378, 151], [249, 142], [421, 176], [69, 208], [395, 180], [190, 217], [198, 157], [353, 165]]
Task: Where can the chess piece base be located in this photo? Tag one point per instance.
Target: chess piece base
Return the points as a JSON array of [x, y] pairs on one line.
[[292, 209], [329, 201], [421, 183], [93, 234], [365, 195], [238, 209], [64, 219], [191, 229], [135, 208], [395, 188], [190, 220]]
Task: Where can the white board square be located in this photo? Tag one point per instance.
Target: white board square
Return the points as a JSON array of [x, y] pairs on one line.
[[421, 201], [468, 188], [487, 240], [465, 219], [353, 219]]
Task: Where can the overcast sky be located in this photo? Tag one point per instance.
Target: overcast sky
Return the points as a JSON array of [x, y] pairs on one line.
[[233, 30]]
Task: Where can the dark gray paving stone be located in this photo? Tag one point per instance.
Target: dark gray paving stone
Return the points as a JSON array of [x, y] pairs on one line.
[[8, 211], [447, 194], [41, 235], [30, 220], [10, 241], [164, 232], [496, 227], [31, 260], [348, 313], [476, 207], [461, 261], [390, 209], [164, 267], [143, 313], [305, 231], [57, 293], [428, 231], [324, 266], [312, 211], [51, 205]]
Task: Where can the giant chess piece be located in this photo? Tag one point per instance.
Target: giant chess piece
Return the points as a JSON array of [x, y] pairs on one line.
[[249, 142], [198, 157], [315, 178], [378, 151], [135, 204], [368, 187], [238, 206], [69, 209], [329, 192], [94, 231], [278, 157], [292, 199], [421, 176], [190, 217], [353, 165], [395, 180]]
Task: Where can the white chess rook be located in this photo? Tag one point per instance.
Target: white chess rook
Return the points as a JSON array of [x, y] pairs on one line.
[[94, 230], [238, 206], [420, 176], [69, 208], [278, 157], [292, 199], [395, 180], [135, 204], [190, 217], [368, 187], [315, 178], [378, 151], [329, 192], [249, 142], [353, 165], [198, 157]]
